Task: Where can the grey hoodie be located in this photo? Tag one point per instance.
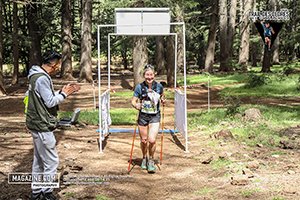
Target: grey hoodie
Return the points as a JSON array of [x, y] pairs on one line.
[[44, 88]]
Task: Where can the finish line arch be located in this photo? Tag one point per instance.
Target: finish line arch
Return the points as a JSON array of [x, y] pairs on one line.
[[152, 22]]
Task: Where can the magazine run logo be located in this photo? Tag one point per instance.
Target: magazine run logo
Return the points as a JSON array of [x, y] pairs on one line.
[[281, 15], [40, 180]]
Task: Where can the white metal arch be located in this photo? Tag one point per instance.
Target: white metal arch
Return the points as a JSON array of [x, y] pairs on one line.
[[140, 34]]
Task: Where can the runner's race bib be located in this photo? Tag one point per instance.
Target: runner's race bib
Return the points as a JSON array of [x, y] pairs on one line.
[[149, 107]]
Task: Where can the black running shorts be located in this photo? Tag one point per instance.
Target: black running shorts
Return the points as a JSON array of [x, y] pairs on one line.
[[146, 119]]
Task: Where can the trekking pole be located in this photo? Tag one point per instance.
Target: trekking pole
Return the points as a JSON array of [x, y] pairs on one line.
[[132, 146], [162, 134]]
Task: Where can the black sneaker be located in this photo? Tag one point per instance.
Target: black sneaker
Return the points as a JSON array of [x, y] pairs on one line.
[[49, 196], [38, 196]]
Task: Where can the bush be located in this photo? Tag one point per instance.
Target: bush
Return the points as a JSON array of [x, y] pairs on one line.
[[287, 70], [257, 80], [232, 105], [298, 84]]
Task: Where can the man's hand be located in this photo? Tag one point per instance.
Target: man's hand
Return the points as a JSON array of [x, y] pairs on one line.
[[70, 89]]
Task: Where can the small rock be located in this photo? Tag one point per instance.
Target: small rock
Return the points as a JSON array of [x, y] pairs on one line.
[[223, 123], [80, 151], [256, 151], [238, 115], [248, 173], [291, 172], [286, 144], [275, 156], [290, 190], [252, 114], [224, 155], [253, 165], [239, 180], [246, 156], [76, 168], [222, 144], [66, 146], [294, 137], [224, 134], [70, 161], [208, 160], [259, 145]]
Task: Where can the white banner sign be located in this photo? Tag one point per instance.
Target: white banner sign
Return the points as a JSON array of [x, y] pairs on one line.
[[180, 111]]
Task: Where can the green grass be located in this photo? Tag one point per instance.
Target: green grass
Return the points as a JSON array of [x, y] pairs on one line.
[[123, 93], [123, 116], [101, 197], [218, 79], [69, 194], [233, 78], [247, 193], [205, 191], [265, 132], [278, 198], [278, 153], [220, 163], [277, 87]]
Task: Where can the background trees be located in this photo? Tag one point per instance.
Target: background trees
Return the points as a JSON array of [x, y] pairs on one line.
[[219, 35]]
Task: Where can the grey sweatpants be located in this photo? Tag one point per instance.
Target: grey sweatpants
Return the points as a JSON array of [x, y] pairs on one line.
[[45, 158]]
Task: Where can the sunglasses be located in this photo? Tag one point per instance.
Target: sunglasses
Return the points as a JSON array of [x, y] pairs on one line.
[[148, 66]]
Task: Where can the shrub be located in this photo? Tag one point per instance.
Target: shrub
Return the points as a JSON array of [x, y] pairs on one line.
[[232, 104], [255, 80], [287, 70], [298, 84]]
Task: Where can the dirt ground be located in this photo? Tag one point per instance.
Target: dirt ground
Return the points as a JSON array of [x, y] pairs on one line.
[[183, 175]]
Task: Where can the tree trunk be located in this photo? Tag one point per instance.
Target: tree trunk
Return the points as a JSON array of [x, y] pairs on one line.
[[160, 55], [274, 7], [254, 53], [210, 52], [1, 38], [231, 26], [140, 58], [86, 39], [266, 67], [6, 16], [10, 18], [276, 51], [179, 17], [35, 41], [170, 58], [245, 32], [2, 88], [15, 39], [66, 67], [223, 36], [124, 54]]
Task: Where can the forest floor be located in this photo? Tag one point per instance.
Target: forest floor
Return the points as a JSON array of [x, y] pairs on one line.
[[212, 169]]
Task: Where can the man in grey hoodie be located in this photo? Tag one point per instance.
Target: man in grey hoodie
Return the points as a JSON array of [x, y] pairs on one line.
[[41, 119]]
